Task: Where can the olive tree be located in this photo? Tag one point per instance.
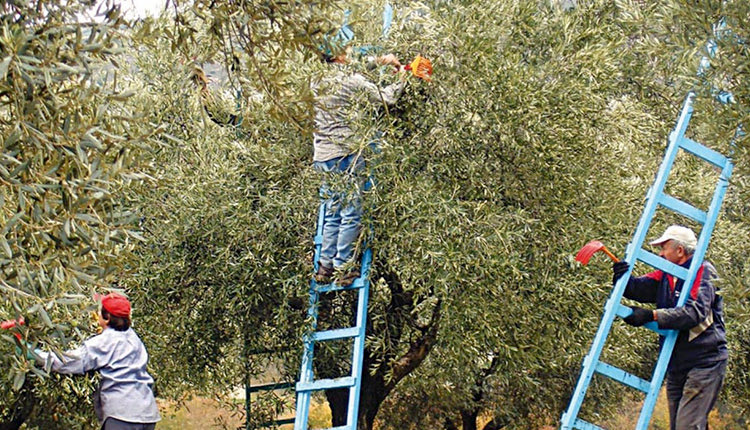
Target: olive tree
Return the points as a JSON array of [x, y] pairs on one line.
[[542, 129], [71, 144]]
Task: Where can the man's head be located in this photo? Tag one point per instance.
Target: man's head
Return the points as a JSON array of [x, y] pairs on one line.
[[114, 311], [677, 244], [335, 46]]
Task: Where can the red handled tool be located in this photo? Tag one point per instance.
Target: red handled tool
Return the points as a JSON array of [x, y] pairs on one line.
[[589, 249]]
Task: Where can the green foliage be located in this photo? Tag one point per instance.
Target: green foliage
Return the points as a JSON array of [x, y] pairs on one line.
[[70, 145], [226, 233], [541, 130]]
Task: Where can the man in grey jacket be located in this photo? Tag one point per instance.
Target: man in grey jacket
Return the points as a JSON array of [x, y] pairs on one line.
[[337, 151]]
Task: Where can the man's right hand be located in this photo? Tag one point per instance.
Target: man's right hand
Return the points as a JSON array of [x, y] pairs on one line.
[[619, 269], [389, 59]]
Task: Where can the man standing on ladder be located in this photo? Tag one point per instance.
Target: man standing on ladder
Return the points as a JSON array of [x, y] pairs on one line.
[[698, 364], [336, 152]]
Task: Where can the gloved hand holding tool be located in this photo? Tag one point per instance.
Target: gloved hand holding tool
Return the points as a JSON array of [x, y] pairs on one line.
[[619, 269], [10, 325], [640, 316]]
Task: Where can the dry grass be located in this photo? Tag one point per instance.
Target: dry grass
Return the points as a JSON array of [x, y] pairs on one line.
[[196, 414], [627, 416], [205, 414]]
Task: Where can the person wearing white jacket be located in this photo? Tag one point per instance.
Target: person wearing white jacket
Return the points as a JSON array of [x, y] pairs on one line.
[[125, 399]]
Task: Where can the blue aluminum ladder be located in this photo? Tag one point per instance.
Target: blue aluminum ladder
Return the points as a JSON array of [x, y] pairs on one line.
[[307, 384], [613, 308]]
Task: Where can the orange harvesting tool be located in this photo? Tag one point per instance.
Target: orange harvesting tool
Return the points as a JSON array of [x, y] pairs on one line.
[[421, 67]]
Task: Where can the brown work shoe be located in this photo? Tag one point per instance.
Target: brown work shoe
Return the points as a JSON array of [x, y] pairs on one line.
[[324, 274], [345, 279]]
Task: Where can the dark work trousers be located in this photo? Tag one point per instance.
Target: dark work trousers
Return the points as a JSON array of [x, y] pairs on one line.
[[115, 424], [692, 394]]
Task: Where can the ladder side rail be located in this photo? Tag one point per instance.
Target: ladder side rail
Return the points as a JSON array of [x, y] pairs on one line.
[[306, 367], [698, 257], [612, 305], [660, 181], [589, 362], [359, 341], [319, 236], [670, 339]]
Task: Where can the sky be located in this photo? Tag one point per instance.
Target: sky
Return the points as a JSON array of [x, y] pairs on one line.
[[142, 8], [132, 8]]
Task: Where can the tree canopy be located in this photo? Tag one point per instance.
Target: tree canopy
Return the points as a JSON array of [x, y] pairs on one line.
[[541, 129]]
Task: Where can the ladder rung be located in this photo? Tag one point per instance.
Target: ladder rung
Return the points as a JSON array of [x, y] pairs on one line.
[[683, 208], [326, 384], [654, 327], [358, 283], [662, 264], [271, 386], [338, 428], [703, 152], [341, 333], [583, 425], [623, 377], [279, 422]]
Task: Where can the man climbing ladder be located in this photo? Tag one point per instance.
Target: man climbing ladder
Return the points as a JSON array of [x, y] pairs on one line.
[[336, 152], [671, 265], [699, 361]]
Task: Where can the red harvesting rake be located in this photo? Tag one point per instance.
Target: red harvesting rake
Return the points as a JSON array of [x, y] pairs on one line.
[[9, 324], [589, 249]]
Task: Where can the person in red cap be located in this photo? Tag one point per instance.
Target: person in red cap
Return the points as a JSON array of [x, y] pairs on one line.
[[125, 397]]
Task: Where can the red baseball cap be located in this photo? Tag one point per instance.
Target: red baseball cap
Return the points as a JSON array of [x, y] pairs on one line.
[[116, 304]]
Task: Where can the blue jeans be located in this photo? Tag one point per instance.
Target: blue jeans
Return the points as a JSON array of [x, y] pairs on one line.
[[343, 209], [691, 395]]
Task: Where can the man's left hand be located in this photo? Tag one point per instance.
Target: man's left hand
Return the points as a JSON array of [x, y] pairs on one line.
[[639, 316]]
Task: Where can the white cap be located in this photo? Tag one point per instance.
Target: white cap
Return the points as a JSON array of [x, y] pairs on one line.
[[679, 233]]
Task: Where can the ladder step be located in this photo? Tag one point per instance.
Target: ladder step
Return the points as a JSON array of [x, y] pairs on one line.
[[683, 208], [703, 152], [583, 425], [622, 377], [280, 422], [624, 311], [271, 386], [327, 288], [326, 384], [342, 333], [662, 264]]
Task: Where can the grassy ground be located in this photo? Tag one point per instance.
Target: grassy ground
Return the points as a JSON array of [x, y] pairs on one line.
[[198, 413], [205, 414], [628, 416]]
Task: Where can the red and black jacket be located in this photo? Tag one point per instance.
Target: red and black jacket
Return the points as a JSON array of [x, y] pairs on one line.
[[702, 338]]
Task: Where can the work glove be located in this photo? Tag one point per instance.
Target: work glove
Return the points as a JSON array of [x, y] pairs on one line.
[[639, 316], [619, 269]]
